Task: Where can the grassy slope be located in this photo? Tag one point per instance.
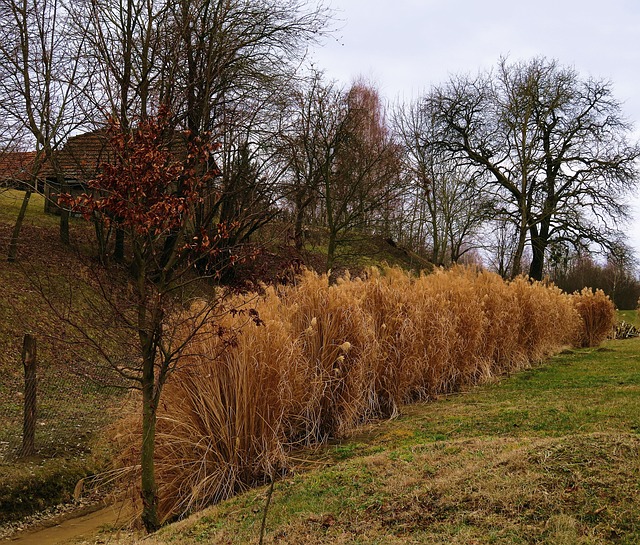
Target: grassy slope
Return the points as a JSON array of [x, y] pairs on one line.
[[630, 316], [551, 455], [70, 409]]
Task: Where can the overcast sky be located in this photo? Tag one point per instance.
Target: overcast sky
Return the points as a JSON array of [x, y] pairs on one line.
[[405, 46]]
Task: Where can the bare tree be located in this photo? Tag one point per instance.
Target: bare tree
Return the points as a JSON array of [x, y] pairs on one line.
[[499, 242], [309, 143], [123, 63], [231, 64], [244, 195], [220, 67], [142, 332], [365, 175], [555, 146], [342, 158], [40, 82], [445, 198], [220, 54], [123, 54]]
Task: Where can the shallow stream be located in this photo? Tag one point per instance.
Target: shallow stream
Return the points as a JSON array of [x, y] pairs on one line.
[[71, 528]]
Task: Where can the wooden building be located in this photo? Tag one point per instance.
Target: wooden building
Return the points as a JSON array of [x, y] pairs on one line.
[[78, 161]]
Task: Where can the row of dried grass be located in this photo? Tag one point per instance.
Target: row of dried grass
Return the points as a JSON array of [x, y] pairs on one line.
[[331, 357]]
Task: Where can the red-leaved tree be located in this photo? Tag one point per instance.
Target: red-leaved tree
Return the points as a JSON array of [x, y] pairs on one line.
[[149, 189]]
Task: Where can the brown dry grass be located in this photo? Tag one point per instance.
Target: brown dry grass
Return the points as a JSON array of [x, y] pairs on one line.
[[329, 358], [598, 315]]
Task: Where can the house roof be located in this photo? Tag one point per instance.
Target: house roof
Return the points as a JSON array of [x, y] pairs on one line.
[[81, 156], [79, 159], [16, 165]]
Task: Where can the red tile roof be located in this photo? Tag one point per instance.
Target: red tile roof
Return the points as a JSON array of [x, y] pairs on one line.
[[16, 165], [81, 156], [79, 159]]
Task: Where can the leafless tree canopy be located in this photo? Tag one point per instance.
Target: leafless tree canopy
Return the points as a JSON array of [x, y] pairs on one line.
[[446, 199], [531, 144], [556, 148]]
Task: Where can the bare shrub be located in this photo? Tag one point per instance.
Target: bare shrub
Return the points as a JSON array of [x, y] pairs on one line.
[[330, 357], [598, 316]]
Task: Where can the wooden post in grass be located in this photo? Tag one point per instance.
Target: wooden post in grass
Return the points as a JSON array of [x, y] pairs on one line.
[[29, 363]]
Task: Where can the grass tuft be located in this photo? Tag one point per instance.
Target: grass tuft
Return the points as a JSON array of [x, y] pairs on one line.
[[598, 316]]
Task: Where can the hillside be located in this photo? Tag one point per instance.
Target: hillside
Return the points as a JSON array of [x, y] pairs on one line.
[[550, 455], [71, 408]]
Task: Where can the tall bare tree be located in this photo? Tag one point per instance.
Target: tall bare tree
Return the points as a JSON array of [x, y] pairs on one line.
[[142, 332], [342, 159], [219, 66], [219, 54], [309, 144], [122, 58], [365, 176], [123, 54], [230, 64], [555, 146]]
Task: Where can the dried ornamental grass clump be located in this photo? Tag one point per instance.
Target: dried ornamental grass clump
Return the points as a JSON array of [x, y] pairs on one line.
[[546, 317], [598, 315], [330, 357]]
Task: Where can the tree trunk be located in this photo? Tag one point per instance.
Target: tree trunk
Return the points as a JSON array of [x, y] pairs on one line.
[[118, 253], [298, 236], [540, 236], [13, 245], [146, 330], [149, 489], [539, 243], [516, 267], [331, 254], [101, 238], [537, 263]]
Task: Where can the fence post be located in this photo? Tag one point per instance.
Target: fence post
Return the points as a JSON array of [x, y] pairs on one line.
[[29, 363]]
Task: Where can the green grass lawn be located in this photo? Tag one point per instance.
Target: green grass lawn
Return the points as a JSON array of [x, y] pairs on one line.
[[630, 316], [11, 201], [550, 456]]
